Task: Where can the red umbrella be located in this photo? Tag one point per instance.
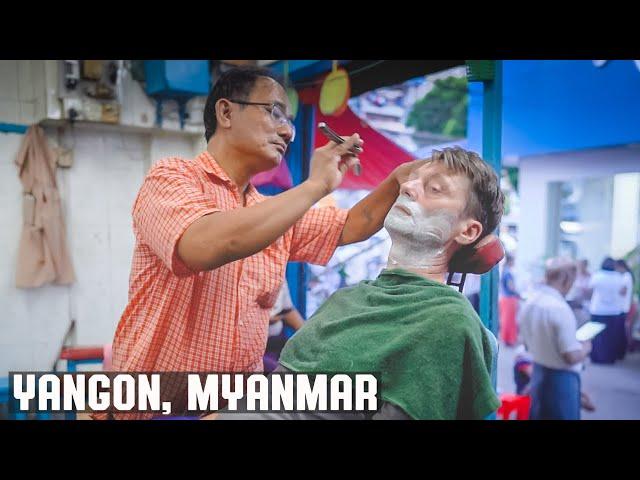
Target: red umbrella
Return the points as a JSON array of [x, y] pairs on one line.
[[380, 155]]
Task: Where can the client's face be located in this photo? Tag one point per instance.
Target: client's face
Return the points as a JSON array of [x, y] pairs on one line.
[[429, 209]]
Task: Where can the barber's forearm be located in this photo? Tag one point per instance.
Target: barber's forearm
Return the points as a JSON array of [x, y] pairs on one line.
[[367, 216], [294, 319], [223, 237]]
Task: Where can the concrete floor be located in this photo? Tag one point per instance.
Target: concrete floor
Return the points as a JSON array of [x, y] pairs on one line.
[[614, 389]]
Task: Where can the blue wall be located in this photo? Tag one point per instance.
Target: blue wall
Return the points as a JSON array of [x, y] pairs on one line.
[[559, 105]]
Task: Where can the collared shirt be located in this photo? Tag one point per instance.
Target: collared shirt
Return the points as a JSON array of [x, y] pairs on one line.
[[179, 320], [607, 298], [548, 329]]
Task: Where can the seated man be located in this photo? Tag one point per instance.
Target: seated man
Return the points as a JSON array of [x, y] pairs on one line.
[[424, 338]]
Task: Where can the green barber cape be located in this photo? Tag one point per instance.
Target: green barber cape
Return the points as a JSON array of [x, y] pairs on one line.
[[424, 339]]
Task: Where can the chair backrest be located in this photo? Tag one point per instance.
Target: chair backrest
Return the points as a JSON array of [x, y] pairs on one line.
[[480, 258]]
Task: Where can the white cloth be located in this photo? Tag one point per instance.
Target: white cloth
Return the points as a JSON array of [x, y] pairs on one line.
[[626, 299], [43, 252], [548, 329], [606, 298], [283, 302]]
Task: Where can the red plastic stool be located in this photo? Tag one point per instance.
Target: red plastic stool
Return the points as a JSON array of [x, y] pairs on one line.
[[520, 404], [77, 356], [80, 355]]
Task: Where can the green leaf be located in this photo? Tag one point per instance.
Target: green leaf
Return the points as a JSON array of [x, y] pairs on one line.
[[443, 110]]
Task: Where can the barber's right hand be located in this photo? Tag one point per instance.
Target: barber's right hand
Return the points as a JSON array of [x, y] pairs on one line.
[[330, 163], [586, 347]]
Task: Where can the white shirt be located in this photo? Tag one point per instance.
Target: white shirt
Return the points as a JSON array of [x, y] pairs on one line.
[[606, 298], [548, 329], [626, 299], [471, 284], [580, 289]]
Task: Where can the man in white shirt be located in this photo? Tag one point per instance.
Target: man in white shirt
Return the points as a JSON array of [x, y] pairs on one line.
[[548, 329]]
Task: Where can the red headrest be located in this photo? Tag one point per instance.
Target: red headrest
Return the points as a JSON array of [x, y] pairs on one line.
[[479, 259]]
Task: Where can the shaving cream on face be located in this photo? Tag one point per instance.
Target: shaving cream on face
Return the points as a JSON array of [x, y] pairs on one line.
[[417, 236]]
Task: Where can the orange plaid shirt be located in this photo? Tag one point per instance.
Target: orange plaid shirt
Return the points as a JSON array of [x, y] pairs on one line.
[[214, 321]]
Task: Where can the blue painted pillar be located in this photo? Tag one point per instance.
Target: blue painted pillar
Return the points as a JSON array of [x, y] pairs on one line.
[[492, 154]]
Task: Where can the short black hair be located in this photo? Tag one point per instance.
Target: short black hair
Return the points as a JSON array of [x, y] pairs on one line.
[[236, 83], [608, 264]]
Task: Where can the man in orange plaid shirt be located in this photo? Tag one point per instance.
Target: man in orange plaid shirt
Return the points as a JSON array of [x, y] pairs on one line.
[[211, 252]]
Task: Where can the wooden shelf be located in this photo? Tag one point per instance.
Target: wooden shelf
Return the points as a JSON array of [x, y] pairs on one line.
[[116, 127]]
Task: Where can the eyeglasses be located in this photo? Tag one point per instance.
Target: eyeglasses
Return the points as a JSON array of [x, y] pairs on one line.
[[278, 116]]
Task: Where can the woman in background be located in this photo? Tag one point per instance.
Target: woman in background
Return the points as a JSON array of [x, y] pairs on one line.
[[608, 288], [508, 306], [624, 327]]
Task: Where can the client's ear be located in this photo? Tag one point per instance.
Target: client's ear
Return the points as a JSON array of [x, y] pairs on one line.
[[471, 232]]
